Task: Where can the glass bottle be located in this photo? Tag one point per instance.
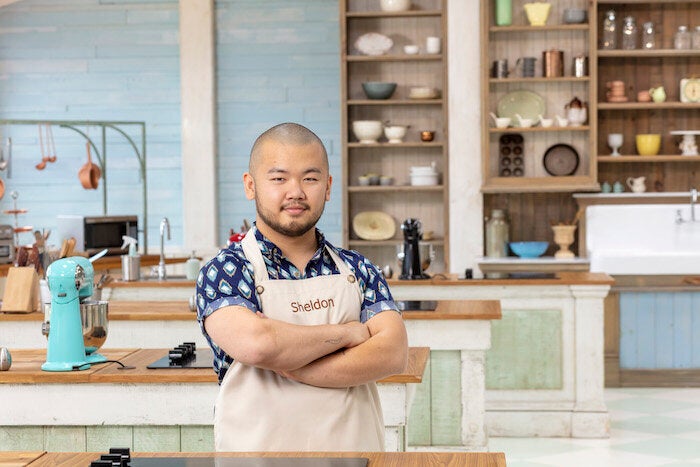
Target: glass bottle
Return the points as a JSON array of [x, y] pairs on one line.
[[681, 41], [696, 38], [629, 34], [504, 12], [609, 31], [648, 36], [497, 235]]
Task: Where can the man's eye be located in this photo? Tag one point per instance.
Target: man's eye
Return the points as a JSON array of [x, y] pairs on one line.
[[277, 179], [311, 179]]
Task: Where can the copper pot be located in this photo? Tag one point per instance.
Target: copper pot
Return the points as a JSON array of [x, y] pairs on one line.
[[89, 174], [552, 63]]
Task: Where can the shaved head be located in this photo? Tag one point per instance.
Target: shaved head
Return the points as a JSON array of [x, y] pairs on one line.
[[285, 133]]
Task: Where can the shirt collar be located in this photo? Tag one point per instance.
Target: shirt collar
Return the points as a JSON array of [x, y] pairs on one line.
[[272, 251]]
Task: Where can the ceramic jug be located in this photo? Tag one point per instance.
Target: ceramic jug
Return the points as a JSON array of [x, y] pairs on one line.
[[658, 94], [637, 184], [576, 112]]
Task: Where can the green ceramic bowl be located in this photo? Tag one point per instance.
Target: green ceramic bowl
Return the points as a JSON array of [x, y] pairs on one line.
[[378, 89]]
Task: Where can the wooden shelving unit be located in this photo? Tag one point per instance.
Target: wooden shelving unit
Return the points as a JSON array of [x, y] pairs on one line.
[[429, 204]]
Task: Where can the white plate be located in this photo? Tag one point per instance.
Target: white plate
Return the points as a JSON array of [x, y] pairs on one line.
[[373, 225], [373, 43]]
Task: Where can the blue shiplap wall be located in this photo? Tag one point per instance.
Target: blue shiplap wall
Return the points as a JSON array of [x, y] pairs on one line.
[[119, 60], [275, 64], [659, 330], [92, 60]]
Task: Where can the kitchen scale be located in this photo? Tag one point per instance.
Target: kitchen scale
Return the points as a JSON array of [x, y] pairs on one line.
[[184, 356]]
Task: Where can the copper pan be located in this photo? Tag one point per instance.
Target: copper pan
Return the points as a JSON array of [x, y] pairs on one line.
[[89, 174], [2, 188]]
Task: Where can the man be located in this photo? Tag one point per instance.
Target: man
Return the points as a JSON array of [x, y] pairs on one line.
[[300, 329]]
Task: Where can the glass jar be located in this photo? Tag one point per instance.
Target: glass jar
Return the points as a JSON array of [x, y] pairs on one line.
[[609, 31], [696, 38], [629, 34], [681, 41], [497, 235], [648, 36]]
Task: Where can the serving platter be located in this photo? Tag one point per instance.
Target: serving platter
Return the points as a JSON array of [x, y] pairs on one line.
[[373, 43], [525, 103], [373, 225]]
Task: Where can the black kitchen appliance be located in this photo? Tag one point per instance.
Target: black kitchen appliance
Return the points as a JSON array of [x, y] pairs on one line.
[[122, 457], [411, 267], [184, 356]]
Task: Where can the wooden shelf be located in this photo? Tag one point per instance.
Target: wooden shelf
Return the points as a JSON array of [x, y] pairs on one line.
[[546, 28], [395, 102], [396, 188], [394, 58], [539, 129], [561, 79], [414, 144], [543, 264], [647, 159], [393, 14], [545, 184], [643, 2], [648, 53], [675, 105]]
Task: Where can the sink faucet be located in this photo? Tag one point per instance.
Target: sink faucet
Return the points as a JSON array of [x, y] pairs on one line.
[[693, 200], [164, 225]]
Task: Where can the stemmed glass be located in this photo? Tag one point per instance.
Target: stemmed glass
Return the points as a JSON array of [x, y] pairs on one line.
[[615, 141]]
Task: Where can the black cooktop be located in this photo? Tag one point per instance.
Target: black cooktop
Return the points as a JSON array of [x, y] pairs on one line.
[[185, 355], [249, 462]]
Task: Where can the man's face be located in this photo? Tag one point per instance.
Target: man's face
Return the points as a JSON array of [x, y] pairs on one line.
[[290, 185]]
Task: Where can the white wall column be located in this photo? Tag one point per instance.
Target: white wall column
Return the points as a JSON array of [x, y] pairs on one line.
[[198, 115], [466, 212]]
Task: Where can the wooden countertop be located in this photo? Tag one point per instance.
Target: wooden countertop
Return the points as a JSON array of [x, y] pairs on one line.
[[26, 369], [376, 459], [19, 458], [114, 263], [179, 311], [560, 278]]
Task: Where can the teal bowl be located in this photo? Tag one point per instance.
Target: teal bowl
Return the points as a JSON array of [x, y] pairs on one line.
[[528, 249], [378, 89]]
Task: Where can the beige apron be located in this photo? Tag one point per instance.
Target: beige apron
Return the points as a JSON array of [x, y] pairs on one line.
[[258, 410]]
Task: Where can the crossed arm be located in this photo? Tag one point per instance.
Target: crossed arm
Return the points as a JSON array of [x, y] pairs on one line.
[[327, 355]]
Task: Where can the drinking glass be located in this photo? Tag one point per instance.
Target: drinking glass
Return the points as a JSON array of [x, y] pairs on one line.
[[615, 141]]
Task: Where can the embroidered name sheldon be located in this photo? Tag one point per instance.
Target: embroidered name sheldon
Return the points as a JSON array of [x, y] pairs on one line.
[[312, 305]]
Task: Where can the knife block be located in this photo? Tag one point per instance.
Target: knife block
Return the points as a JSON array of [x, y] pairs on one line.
[[21, 291]]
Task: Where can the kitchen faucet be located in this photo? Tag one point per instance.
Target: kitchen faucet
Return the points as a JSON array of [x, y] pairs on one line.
[[164, 224]]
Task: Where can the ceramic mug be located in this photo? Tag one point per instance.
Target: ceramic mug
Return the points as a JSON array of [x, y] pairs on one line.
[[618, 187], [432, 45], [637, 184]]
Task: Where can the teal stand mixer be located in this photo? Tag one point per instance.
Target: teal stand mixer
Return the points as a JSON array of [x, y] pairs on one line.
[[70, 283]]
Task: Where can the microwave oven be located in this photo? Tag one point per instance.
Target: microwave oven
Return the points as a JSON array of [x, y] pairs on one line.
[[95, 233]]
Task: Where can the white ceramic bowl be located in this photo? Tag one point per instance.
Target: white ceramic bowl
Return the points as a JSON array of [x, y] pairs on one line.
[[395, 5], [395, 133], [424, 179], [410, 49], [367, 131], [502, 122], [422, 92]]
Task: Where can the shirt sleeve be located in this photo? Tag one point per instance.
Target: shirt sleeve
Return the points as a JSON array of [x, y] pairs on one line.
[[375, 291]]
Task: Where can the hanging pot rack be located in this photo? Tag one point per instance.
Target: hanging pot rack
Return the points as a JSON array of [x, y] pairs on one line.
[[101, 154]]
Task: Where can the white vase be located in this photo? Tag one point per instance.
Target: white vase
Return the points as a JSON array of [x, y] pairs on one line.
[[395, 5]]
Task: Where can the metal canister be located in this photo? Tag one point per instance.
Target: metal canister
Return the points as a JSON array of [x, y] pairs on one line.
[[580, 66], [552, 63]]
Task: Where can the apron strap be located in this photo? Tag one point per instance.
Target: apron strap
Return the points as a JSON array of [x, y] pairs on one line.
[[252, 252]]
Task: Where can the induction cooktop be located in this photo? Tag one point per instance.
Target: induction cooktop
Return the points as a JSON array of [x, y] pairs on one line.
[[185, 355]]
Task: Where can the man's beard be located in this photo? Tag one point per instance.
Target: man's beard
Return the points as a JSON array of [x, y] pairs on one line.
[[295, 228]]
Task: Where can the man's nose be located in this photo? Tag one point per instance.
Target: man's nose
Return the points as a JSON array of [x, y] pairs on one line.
[[295, 189]]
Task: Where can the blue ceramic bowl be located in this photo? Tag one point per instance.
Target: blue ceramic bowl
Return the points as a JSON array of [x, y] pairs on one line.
[[528, 249], [378, 89]]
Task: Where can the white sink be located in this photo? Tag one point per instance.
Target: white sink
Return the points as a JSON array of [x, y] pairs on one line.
[[643, 239]]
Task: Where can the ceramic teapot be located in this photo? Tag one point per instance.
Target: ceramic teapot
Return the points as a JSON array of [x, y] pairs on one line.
[[576, 112], [658, 94], [637, 184]]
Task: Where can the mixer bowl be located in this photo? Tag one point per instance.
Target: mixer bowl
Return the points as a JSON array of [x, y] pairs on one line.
[[94, 319], [427, 255]]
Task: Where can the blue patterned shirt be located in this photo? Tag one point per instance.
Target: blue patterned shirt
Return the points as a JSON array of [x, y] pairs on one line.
[[228, 280]]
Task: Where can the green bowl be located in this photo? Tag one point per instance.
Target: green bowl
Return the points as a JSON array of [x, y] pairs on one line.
[[378, 89]]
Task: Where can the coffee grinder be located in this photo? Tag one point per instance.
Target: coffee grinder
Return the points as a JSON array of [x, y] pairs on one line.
[[70, 282], [411, 267]]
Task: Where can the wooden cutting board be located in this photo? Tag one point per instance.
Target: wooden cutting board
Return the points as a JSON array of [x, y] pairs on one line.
[[21, 291]]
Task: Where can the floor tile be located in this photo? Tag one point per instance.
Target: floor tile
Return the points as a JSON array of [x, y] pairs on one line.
[[673, 448], [602, 457], [657, 425], [649, 405]]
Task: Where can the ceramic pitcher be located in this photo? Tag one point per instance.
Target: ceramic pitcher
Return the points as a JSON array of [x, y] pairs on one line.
[[637, 184]]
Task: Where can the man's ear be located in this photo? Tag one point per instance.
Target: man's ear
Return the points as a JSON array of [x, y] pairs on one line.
[[249, 186], [328, 188]]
